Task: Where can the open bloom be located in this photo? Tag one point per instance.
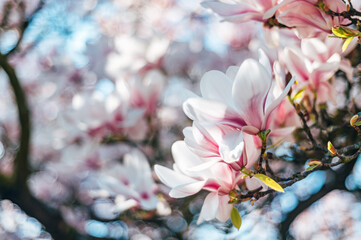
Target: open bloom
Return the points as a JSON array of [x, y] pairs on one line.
[[133, 180], [308, 19], [220, 143], [313, 65], [240, 98], [184, 181]]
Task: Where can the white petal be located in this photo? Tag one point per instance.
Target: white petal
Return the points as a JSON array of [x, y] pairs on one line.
[[250, 90], [209, 111], [205, 165], [263, 59], [186, 189], [184, 157], [210, 207], [172, 178], [215, 85], [224, 208], [277, 101]]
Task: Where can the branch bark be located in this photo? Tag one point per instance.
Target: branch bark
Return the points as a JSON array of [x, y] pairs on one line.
[[17, 190], [22, 169]]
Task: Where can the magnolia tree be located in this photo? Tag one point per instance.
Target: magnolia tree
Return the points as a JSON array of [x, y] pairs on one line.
[[171, 119]]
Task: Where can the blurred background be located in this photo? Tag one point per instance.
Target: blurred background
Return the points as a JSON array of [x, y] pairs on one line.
[[104, 81]]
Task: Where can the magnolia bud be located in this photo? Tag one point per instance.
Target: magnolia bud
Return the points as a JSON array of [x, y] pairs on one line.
[[355, 121], [331, 148]]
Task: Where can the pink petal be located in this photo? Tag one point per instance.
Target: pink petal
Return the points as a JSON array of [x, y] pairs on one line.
[[282, 132], [270, 12], [296, 65], [224, 175], [250, 91], [303, 14], [202, 110]]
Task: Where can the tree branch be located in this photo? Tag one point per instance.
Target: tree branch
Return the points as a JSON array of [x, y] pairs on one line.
[[23, 28], [22, 168]]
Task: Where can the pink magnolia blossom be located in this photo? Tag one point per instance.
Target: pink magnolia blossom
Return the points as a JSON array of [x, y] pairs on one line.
[[132, 179], [100, 116], [184, 181], [308, 20], [241, 11], [313, 65], [143, 93], [240, 98], [220, 143]]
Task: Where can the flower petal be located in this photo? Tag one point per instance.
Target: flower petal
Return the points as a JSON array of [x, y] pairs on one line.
[[184, 157], [210, 208], [186, 190], [224, 208], [202, 110], [172, 178], [250, 91], [277, 101], [215, 85]]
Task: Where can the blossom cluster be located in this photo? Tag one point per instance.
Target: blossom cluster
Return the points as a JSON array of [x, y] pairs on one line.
[[156, 107]]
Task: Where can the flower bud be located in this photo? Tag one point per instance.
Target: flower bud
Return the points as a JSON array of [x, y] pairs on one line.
[[331, 148]]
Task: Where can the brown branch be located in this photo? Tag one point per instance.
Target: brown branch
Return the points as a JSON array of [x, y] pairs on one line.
[[305, 127], [17, 189], [22, 168]]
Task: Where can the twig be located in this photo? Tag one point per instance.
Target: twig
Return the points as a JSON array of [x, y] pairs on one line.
[[23, 28]]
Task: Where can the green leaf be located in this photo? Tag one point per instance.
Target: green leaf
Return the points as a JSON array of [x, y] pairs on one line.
[[269, 182], [311, 167], [236, 218], [339, 32], [346, 43], [299, 93], [357, 123]]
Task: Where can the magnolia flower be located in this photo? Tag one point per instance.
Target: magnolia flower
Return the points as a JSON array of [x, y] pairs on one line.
[[241, 11], [100, 116], [184, 181], [220, 143], [145, 93], [133, 179], [313, 65], [309, 20], [240, 98]]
